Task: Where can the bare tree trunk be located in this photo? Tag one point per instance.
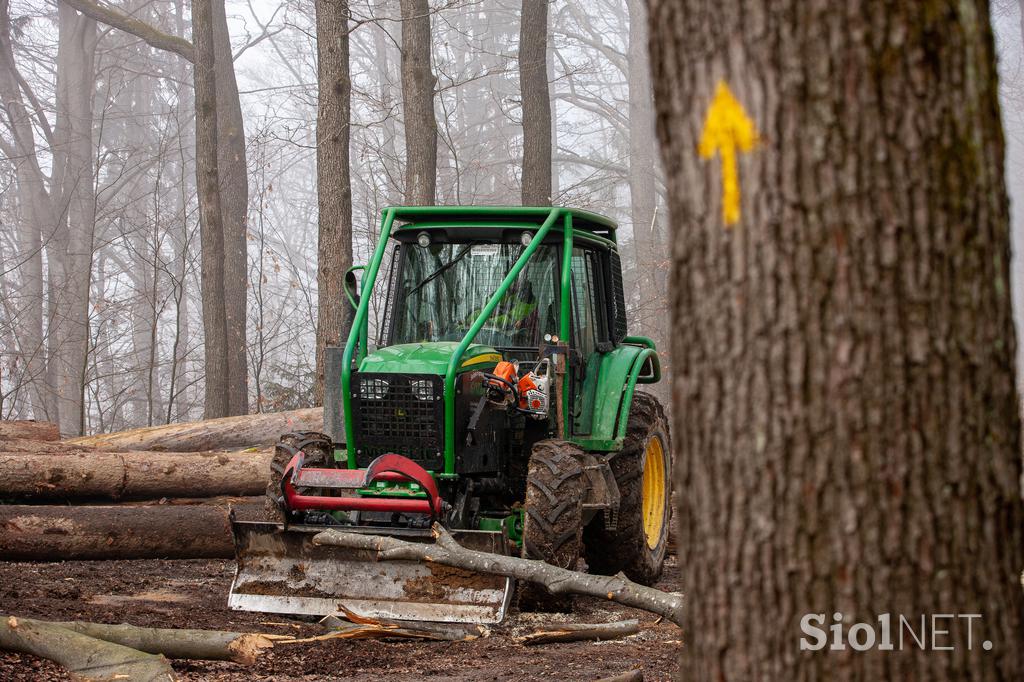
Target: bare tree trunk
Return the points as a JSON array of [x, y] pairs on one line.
[[223, 189], [847, 428], [643, 179], [69, 244], [533, 86], [233, 176], [334, 188], [210, 214], [418, 83], [37, 218]]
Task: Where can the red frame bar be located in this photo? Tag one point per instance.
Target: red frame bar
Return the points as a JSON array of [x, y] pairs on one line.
[[383, 504], [389, 467]]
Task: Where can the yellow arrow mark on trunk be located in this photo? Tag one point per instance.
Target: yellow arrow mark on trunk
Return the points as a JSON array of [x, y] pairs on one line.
[[726, 129]]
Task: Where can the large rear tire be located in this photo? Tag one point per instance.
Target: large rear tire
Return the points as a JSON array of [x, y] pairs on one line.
[[643, 472], [553, 517], [319, 453]]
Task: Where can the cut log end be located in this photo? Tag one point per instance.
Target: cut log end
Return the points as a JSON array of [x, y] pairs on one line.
[[247, 648]]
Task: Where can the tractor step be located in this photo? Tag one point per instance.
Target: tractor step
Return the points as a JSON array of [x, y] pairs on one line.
[[280, 570]]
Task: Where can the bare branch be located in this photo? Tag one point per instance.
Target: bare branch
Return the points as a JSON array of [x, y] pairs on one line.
[[139, 29]]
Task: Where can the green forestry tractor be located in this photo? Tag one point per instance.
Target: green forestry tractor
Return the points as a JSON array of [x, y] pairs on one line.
[[500, 402]]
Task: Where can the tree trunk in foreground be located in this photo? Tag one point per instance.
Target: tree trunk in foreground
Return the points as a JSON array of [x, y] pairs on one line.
[[334, 188], [28, 429], [84, 657], [536, 103], [418, 105], [846, 418], [211, 224], [212, 434], [57, 533], [132, 475]]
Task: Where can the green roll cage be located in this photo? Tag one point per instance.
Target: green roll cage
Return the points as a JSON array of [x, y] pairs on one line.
[[548, 218]]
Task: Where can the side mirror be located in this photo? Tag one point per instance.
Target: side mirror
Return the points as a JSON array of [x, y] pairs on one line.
[[351, 285]]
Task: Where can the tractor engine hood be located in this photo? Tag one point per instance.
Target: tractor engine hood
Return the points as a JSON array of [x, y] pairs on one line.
[[428, 358]]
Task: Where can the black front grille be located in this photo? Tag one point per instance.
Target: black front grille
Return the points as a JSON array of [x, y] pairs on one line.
[[400, 413]]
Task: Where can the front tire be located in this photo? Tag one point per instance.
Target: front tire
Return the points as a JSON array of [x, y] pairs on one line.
[[319, 453], [643, 472], [553, 518]]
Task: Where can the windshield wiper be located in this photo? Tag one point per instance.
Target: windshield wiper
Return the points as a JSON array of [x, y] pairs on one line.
[[441, 270]]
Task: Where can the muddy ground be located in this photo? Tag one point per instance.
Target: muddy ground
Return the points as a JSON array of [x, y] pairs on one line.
[[193, 594]]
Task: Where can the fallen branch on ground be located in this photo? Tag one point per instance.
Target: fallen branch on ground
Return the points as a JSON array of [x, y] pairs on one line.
[[206, 645], [578, 632], [212, 434], [448, 552], [352, 626], [83, 656]]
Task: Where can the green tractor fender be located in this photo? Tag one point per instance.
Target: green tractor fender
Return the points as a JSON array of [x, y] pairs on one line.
[[633, 362]]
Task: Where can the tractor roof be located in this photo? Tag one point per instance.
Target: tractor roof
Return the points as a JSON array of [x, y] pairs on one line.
[[474, 215]]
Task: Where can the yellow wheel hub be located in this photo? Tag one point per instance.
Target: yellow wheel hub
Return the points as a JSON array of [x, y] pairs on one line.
[[654, 491]]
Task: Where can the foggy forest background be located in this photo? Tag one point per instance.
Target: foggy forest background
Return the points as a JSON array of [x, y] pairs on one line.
[[135, 269]]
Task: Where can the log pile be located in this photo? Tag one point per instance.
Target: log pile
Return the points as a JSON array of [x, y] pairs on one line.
[[160, 492]]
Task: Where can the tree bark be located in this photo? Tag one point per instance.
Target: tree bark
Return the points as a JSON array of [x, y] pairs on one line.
[[447, 552], [81, 655], [649, 243], [131, 475], [536, 103], [205, 645], [38, 216], [211, 225], [29, 429], [213, 434], [847, 428], [418, 83], [58, 533], [233, 183], [68, 242], [334, 188]]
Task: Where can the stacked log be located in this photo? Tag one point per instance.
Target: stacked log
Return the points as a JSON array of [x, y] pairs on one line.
[[160, 492], [28, 429], [168, 531], [84, 474], [226, 433]]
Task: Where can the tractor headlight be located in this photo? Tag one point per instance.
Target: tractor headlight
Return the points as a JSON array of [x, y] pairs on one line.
[[423, 389], [374, 389]]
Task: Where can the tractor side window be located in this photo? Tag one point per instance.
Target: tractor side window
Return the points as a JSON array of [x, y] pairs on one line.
[[586, 324]]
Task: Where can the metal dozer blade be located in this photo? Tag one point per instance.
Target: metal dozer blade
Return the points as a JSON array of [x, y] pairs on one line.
[[280, 570]]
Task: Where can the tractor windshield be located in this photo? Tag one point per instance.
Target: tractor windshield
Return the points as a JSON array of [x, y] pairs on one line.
[[442, 288]]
